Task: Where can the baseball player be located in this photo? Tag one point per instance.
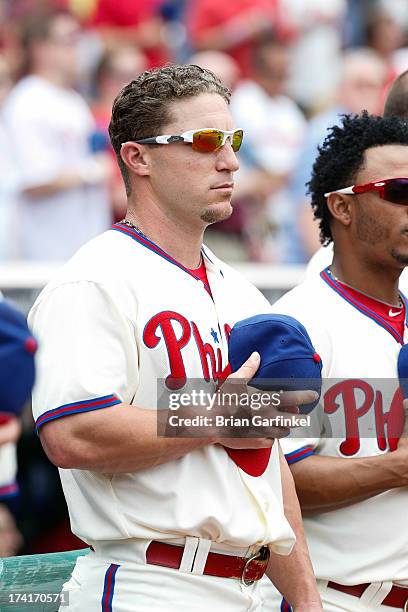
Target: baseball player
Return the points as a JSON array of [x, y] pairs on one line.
[[396, 105], [352, 488], [174, 523]]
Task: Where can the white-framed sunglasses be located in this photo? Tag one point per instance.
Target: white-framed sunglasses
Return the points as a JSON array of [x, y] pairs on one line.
[[205, 140]]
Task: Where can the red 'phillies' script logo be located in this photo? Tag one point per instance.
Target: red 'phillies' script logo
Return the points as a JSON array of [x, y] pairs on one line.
[[176, 332], [389, 425]]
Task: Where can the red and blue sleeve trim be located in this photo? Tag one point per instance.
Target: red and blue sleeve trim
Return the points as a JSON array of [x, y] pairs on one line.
[[109, 587], [120, 227], [285, 607], [299, 454], [9, 490], [84, 406]]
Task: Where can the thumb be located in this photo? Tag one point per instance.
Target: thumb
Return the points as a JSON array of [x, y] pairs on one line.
[[249, 368]]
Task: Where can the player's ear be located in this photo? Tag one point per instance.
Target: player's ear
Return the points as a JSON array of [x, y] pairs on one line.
[[339, 205], [136, 158]]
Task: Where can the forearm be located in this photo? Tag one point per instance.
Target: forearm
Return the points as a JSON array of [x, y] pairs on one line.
[[108, 442], [293, 574], [329, 483], [61, 183], [94, 170]]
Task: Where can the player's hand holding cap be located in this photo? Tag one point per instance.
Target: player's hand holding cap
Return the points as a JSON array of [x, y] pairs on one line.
[[17, 370], [288, 362], [288, 358]]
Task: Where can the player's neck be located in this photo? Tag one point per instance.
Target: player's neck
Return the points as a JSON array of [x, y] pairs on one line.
[[378, 282], [182, 243]]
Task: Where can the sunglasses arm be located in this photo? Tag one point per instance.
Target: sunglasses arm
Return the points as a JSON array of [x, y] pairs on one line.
[[164, 139], [346, 190]]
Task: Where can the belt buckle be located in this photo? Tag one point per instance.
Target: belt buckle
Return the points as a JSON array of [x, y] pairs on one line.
[[262, 555]]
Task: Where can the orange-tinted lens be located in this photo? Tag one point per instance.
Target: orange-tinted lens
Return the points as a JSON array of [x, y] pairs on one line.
[[236, 140], [207, 141]]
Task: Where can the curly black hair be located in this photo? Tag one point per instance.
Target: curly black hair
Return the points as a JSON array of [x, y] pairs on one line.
[[341, 156]]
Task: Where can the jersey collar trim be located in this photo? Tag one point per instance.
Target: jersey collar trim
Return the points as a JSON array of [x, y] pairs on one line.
[[333, 284], [148, 244]]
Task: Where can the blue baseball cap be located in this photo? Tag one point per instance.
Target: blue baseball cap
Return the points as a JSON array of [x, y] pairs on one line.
[[403, 370], [17, 370], [288, 359]]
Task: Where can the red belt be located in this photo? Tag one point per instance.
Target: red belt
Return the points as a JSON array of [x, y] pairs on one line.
[[248, 570], [396, 598]]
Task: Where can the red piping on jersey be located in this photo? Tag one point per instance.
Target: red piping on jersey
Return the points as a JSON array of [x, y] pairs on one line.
[[299, 454], [156, 249], [82, 406], [336, 286]]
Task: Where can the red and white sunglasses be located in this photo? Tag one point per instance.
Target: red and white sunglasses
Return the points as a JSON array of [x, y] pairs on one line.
[[393, 190]]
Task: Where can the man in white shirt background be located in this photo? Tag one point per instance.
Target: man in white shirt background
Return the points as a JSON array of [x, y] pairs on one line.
[[62, 201], [274, 128]]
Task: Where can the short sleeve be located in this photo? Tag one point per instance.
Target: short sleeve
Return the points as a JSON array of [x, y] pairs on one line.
[[297, 449], [296, 446], [87, 358]]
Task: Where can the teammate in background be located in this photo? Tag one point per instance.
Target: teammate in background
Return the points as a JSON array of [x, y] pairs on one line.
[[396, 105], [352, 489], [146, 306], [17, 348], [10, 429]]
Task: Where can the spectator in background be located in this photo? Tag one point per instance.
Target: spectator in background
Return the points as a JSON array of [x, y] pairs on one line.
[[6, 30], [63, 199], [232, 26], [386, 35], [396, 103], [8, 177], [116, 68], [363, 75], [274, 128], [137, 22], [221, 64], [317, 37]]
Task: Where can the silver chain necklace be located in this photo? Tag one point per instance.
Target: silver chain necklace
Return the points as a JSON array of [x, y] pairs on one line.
[[133, 226], [400, 302], [139, 231]]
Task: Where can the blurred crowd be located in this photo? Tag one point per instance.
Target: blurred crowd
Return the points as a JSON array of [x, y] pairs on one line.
[[294, 67]]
